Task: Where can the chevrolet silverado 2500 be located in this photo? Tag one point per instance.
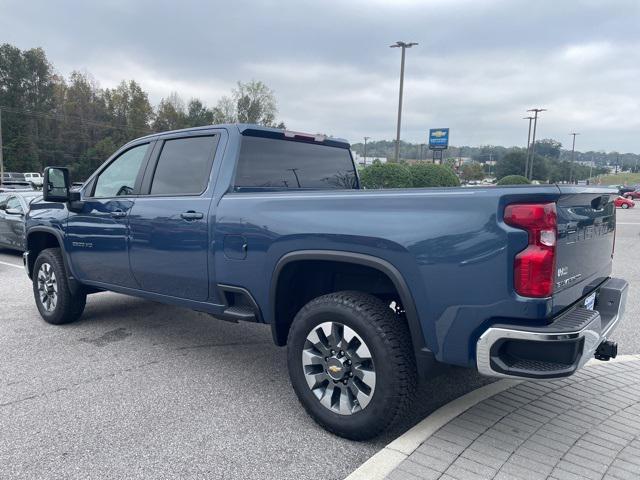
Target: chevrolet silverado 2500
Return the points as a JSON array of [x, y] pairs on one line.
[[368, 289]]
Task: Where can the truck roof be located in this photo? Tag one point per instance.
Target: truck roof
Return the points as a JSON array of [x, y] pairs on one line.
[[267, 132]]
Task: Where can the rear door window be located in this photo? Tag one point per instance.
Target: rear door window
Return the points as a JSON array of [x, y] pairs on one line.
[[267, 163], [184, 166]]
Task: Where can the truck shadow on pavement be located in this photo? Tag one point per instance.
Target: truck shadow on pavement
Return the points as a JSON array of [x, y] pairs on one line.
[[168, 330]]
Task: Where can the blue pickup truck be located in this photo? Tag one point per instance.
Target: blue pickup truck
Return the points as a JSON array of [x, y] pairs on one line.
[[368, 289]]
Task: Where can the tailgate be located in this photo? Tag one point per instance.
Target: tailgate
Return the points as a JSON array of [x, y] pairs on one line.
[[586, 232]]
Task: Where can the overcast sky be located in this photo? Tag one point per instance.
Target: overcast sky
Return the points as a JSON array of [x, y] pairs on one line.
[[479, 66]]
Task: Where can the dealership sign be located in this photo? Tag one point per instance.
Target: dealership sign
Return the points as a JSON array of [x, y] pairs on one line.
[[438, 138]]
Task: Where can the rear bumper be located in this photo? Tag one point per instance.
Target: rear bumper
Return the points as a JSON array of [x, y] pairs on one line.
[[555, 350]]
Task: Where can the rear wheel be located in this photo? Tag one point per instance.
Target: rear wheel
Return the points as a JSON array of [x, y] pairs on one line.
[[625, 205], [55, 301], [351, 364]]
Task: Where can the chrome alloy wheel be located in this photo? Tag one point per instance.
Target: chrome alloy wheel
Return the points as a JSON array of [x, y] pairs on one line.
[[47, 287], [338, 368]]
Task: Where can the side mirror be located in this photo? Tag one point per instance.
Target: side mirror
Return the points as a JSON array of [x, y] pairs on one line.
[[13, 211], [56, 184]]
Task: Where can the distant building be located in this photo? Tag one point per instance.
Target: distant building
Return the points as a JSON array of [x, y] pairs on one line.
[[360, 160]]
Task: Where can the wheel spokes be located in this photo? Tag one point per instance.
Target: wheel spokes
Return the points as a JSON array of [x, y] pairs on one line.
[[338, 368]]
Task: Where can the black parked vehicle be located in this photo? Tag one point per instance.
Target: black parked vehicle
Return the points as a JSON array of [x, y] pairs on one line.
[[13, 208], [16, 185]]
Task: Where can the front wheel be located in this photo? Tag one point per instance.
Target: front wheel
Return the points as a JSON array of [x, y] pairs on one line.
[[625, 205], [351, 364], [55, 301]]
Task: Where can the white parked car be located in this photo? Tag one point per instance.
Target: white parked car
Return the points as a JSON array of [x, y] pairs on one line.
[[34, 177]]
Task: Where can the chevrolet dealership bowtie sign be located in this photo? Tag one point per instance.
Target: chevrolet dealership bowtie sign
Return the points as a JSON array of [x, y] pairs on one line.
[[438, 138]]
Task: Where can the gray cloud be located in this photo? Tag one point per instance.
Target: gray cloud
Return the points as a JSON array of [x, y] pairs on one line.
[[479, 65]]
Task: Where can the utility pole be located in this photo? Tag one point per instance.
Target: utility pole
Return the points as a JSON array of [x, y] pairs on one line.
[[365, 149], [526, 164], [1, 157], [591, 169], [573, 154], [422, 146], [403, 46], [533, 140]]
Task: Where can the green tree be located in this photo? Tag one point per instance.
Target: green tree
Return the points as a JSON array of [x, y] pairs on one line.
[[26, 84], [128, 107], [198, 114], [511, 164], [385, 175], [171, 114], [251, 102], [513, 180], [548, 147], [472, 171], [432, 175]]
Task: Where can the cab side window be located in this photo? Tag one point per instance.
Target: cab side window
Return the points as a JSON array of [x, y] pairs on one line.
[[119, 177]]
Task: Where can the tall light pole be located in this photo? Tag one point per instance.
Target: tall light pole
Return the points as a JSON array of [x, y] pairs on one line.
[[526, 164], [573, 154], [403, 46], [533, 140], [365, 149]]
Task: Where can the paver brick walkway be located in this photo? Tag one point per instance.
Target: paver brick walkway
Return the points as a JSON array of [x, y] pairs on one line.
[[584, 427]]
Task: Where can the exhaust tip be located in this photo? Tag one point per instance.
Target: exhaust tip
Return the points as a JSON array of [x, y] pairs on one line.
[[606, 351]]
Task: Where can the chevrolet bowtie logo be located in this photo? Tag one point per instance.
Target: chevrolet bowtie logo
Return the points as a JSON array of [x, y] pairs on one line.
[[334, 369]]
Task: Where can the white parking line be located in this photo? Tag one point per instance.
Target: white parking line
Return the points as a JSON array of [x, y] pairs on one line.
[[11, 265]]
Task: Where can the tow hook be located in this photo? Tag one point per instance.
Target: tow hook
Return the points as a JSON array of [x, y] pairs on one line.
[[606, 351]]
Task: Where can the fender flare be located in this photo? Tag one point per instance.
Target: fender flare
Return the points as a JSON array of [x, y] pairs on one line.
[[424, 356], [74, 285]]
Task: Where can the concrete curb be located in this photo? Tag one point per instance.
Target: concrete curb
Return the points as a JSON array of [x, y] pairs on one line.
[[386, 460]]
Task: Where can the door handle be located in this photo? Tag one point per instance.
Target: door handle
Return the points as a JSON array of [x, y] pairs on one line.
[[191, 215], [118, 213]]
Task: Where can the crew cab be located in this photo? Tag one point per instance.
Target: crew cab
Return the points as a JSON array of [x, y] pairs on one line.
[[368, 289]]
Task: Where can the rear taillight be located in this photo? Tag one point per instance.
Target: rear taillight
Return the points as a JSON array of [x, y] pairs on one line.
[[534, 267]]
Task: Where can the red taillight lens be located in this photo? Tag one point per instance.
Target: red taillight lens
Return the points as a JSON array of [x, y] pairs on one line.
[[534, 267]]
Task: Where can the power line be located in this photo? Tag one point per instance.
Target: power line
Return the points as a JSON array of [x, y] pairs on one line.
[[62, 117], [54, 152]]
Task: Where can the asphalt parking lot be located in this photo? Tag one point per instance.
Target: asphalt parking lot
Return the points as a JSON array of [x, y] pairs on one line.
[[141, 390]]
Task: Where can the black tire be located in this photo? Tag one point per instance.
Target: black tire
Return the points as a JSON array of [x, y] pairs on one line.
[[387, 337], [68, 306], [624, 205]]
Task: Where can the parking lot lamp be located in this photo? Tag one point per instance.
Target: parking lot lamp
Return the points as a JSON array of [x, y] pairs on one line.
[[533, 140], [526, 163], [403, 46], [573, 154], [365, 149]]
